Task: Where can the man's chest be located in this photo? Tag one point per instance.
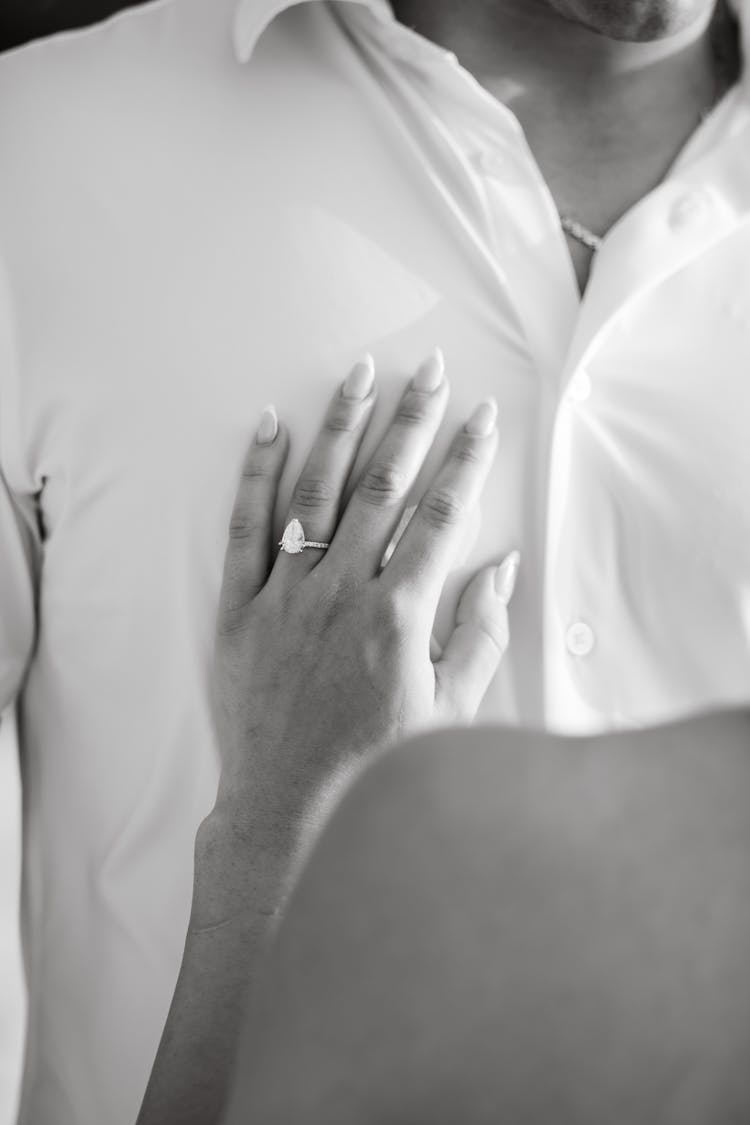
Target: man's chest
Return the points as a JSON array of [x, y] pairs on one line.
[[164, 297]]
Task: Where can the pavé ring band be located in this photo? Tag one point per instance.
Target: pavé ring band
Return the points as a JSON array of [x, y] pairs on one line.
[[293, 540]]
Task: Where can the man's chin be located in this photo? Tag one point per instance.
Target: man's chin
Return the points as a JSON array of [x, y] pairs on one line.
[[640, 21]]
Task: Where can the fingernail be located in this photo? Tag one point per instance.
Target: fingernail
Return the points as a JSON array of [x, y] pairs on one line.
[[429, 374], [505, 576], [358, 382], [268, 427], [482, 421]]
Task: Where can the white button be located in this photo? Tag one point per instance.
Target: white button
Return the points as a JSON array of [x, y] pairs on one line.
[[451, 58], [491, 163], [580, 639], [579, 387], [688, 210]]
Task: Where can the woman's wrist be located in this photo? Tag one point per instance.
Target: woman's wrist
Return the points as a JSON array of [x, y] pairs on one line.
[[240, 867], [247, 851]]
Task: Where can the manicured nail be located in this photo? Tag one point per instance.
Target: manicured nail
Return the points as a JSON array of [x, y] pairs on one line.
[[358, 382], [429, 374], [482, 421], [268, 427], [505, 576]]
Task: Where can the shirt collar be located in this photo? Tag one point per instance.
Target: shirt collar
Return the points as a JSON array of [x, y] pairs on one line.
[[252, 17]]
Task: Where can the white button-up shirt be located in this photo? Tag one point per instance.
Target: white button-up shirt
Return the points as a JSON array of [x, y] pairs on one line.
[[206, 206]]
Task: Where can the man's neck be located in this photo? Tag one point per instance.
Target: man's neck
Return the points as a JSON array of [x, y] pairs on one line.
[[604, 119], [541, 64]]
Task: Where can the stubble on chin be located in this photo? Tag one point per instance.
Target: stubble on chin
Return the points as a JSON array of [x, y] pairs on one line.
[[635, 21]]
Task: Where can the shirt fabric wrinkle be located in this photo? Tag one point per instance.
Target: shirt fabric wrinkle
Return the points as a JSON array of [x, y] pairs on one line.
[[254, 243]]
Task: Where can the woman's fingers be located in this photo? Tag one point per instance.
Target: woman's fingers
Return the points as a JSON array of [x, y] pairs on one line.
[[425, 552], [377, 501], [478, 642], [316, 498], [248, 553]]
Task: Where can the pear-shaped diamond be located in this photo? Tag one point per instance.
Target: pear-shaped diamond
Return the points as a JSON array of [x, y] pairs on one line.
[[293, 539]]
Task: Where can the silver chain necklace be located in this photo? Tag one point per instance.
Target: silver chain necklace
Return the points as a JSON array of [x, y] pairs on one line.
[[580, 233], [586, 237]]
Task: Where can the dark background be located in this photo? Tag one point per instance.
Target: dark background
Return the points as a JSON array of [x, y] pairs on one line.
[[21, 20]]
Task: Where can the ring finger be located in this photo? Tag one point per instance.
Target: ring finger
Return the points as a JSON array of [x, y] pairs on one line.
[[316, 498]]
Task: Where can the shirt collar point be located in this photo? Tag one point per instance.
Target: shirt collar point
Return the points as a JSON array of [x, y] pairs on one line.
[[242, 51], [252, 17]]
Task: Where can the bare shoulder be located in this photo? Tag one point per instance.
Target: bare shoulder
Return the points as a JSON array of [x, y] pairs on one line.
[[502, 780], [501, 926]]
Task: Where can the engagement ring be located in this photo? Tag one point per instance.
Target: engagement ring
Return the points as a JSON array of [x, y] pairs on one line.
[[293, 540]]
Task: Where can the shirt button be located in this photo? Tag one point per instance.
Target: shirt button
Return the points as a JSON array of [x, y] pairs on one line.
[[579, 639], [579, 387], [688, 210]]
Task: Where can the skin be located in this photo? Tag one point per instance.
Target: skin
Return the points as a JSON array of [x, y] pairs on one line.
[[605, 111], [499, 926], [638, 22]]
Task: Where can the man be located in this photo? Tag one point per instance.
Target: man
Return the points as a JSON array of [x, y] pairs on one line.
[[204, 208]]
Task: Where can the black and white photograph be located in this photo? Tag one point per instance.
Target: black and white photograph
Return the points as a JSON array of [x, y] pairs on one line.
[[375, 562]]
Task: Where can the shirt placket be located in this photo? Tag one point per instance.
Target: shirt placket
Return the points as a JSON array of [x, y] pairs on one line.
[[509, 207], [677, 222]]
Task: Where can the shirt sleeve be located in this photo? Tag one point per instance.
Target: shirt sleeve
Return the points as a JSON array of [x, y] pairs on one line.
[[20, 539], [18, 551]]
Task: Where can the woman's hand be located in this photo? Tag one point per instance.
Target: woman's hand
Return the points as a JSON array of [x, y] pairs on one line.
[[321, 658], [325, 656]]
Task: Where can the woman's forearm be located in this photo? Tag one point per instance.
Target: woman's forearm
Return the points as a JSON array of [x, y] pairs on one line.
[[241, 881]]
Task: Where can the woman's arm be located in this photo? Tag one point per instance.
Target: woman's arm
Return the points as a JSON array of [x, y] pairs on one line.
[[322, 659]]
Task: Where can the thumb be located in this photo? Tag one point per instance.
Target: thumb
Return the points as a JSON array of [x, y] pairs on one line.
[[477, 644]]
